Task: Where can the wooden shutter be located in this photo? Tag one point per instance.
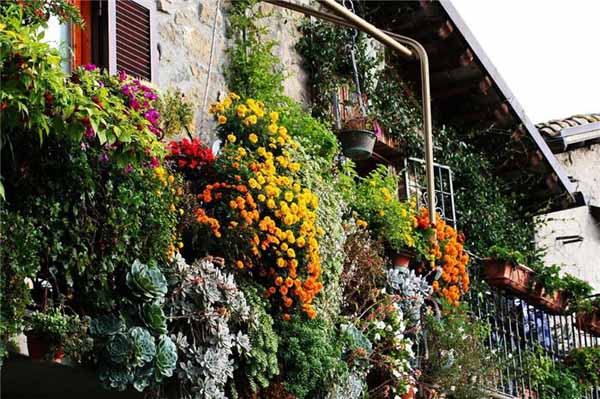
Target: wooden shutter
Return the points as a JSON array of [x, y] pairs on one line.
[[131, 43]]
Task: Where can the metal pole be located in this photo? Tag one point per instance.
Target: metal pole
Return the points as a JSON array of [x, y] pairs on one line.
[[396, 42]]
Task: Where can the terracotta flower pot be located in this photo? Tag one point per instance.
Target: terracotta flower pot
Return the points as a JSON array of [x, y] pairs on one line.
[[555, 303], [411, 394], [401, 259], [589, 322], [506, 275], [357, 144], [39, 349]]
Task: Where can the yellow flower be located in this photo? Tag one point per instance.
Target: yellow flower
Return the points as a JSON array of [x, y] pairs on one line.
[[274, 116], [227, 102], [294, 167], [241, 110], [282, 131], [273, 128], [251, 120], [242, 151], [253, 138], [261, 197], [361, 223], [222, 119], [231, 138], [271, 203], [289, 196], [290, 253], [381, 213], [280, 262]]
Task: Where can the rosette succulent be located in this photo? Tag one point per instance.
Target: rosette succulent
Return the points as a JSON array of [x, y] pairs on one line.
[[412, 289], [154, 317], [146, 281], [166, 357]]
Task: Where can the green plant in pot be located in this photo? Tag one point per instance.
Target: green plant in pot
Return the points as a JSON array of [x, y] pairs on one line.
[[49, 332]]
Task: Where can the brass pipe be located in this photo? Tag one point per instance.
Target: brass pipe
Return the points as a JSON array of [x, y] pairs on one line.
[[395, 41]]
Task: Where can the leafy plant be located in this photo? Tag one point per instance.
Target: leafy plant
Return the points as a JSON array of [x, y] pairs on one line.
[[458, 360], [312, 358], [146, 281], [549, 379], [506, 255], [584, 364], [413, 290]]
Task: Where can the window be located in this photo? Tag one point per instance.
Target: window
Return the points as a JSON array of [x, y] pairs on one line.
[[416, 187], [118, 36]]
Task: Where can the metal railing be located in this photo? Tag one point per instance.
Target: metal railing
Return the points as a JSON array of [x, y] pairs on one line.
[[516, 328]]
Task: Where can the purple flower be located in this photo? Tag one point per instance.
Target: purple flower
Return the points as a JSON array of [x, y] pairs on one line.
[[83, 146], [150, 96], [90, 67], [122, 75], [153, 163], [128, 169], [103, 157], [100, 83], [89, 132], [134, 104], [152, 116], [126, 90]]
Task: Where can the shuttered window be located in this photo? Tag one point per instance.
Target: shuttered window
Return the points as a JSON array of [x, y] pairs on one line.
[[132, 38]]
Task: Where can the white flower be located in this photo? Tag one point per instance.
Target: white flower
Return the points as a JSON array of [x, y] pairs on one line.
[[28, 282]]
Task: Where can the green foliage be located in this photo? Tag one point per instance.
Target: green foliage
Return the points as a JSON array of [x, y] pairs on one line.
[[21, 243], [458, 361], [154, 318], [506, 255], [259, 366], [254, 72], [584, 364], [550, 379], [310, 355], [36, 13], [176, 114], [376, 201]]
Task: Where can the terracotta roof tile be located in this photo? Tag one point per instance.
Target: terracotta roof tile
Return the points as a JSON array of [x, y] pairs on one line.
[[551, 129]]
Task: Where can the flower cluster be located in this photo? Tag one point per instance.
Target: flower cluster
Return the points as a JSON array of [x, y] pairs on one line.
[[258, 210], [447, 252], [193, 159]]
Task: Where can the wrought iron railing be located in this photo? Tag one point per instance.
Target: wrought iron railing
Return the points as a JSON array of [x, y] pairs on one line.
[[516, 328]]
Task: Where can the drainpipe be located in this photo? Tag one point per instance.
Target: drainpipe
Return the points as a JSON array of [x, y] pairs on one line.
[[396, 42]]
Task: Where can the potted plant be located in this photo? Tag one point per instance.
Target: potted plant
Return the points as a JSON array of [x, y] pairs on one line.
[[504, 269], [547, 289], [588, 316], [46, 333], [358, 136]]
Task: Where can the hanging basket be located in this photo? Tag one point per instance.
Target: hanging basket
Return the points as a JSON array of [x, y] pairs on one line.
[[357, 144]]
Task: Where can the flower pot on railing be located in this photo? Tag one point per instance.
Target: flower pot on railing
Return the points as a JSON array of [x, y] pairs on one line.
[[357, 140], [40, 349], [554, 303], [507, 275], [589, 322]]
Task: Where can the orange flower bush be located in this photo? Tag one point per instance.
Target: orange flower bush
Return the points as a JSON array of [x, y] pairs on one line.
[[260, 215], [447, 252]]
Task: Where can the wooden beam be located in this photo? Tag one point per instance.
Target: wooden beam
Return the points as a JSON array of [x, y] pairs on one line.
[[463, 75]]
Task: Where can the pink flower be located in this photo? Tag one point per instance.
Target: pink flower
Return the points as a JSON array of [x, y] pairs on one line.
[[90, 67]]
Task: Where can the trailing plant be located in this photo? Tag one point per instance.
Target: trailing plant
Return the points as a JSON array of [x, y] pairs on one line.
[[259, 366], [506, 255], [19, 249], [458, 361], [364, 270], [176, 114], [312, 358], [209, 316], [36, 13]]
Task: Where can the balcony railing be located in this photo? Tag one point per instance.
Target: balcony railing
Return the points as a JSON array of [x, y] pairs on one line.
[[516, 328]]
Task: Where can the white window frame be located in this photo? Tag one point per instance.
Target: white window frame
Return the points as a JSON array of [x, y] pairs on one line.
[[150, 5]]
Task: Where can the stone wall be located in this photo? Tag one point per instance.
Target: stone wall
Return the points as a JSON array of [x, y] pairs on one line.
[[185, 34], [557, 235]]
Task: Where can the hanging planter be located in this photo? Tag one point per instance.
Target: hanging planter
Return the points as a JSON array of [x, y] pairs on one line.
[[554, 303], [589, 322], [510, 276], [357, 140]]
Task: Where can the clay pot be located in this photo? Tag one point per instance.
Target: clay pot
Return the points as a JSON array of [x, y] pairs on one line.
[[401, 259], [39, 349], [589, 322], [509, 276], [554, 303]]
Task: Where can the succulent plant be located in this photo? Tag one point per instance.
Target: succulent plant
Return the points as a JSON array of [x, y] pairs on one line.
[[153, 316], [412, 289], [146, 281], [106, 325], [166, 357], [143, 345], [119, 348]]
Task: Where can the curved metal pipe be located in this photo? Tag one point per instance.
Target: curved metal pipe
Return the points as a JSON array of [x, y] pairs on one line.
[[395, 41]]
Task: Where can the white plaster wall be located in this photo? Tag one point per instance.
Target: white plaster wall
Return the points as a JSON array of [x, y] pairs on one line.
[[581, 259], [184, 35], [584, 165]]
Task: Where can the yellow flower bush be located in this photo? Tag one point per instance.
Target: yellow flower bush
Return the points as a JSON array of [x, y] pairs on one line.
[[257, 210]]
